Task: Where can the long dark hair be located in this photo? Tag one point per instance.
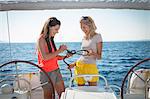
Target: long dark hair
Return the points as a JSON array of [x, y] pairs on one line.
[[52, 21]]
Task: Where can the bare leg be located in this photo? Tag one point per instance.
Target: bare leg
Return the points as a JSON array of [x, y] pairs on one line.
[[92, 83], [47, 93], [60, 88]]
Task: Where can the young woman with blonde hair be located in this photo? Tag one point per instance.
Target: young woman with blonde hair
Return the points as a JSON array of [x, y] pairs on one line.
[[92, 42]]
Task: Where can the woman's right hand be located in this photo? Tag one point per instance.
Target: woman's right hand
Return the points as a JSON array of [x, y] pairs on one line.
[[62, 48], [71, 65]]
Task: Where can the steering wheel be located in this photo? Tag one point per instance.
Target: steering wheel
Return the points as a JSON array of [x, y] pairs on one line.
[[132, 70], [32, 64]]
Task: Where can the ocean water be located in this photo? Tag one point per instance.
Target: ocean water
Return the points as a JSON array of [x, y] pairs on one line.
[[117, 58]]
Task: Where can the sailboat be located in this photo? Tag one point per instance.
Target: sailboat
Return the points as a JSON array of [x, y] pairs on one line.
[[28, 86]]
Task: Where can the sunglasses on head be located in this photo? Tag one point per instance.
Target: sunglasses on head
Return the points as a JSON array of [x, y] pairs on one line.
[[84, 17]]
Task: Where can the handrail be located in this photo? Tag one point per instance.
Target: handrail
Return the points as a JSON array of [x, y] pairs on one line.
[[71, 80], [117, 87]]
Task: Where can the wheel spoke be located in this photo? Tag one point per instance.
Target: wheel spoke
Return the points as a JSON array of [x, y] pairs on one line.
[[138, 76], [39, 86]]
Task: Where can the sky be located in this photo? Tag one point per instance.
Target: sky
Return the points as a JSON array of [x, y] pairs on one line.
[[112, 24]]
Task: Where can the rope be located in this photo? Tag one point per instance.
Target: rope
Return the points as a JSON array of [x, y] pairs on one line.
[[8, 31], [79, 52], [67, 65]]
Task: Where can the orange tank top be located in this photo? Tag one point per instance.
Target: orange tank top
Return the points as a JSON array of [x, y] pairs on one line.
[[48, 65]]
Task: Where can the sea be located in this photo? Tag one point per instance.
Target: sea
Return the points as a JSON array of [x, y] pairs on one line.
[[117, 58]]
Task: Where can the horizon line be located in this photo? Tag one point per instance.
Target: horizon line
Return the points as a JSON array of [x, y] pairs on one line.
[[80, 41]]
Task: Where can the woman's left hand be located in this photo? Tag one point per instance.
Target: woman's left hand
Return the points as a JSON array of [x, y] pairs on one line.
[[92, 53], [71, 65]]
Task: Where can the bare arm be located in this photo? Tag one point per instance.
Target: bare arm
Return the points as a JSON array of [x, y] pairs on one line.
[[60, 57], [47, 55], [99, 50]]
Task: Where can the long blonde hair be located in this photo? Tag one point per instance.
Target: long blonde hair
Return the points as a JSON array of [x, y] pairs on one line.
[[90, 22]]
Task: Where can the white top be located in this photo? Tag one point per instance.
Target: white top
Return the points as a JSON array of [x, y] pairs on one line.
[[90, 44]]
